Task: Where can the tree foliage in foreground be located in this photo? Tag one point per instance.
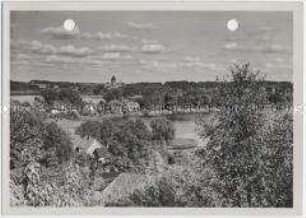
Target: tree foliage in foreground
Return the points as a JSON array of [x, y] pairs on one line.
[[249, 149], [26, 138], [32, 140]]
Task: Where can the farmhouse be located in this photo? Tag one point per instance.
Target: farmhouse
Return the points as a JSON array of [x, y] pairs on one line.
[[88, 146]]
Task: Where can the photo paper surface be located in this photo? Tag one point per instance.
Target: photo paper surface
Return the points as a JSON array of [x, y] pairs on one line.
[[139, 109]]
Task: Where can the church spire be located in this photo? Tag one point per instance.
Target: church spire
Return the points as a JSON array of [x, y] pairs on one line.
[[113, 80]]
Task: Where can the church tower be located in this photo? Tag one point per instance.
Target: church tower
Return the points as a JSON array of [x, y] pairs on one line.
[[113, 80]]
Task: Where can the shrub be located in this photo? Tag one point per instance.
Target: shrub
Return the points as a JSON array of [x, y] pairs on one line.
[[175, 187], [159, 193], [16, 194], [62, 186]]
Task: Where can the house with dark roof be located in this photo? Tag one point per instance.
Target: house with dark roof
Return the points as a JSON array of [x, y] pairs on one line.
[[88, 146]]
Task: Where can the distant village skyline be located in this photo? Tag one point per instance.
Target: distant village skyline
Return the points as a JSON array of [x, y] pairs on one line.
[[152, 46]]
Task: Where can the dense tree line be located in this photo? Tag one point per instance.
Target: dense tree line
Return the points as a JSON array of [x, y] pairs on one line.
[[168, 95], [66, 96]]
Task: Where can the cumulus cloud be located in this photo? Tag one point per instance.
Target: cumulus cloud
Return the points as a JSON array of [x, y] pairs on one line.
[[275, 48], [56, 59], [15, 63], [191, 59], [155, 65], [48, 49], [230, 46], [111, 56], [275, 65], [194, 61], [264, 48], [118, 48], [24, 56], [103, 36], [38, 47], [149, 41], [141, 26], [210, 66], [153, 48], [70, 50], [16, 44], [187, 62], [61, 33]]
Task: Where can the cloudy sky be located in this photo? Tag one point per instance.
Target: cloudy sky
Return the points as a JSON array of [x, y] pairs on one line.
[[148, 46]]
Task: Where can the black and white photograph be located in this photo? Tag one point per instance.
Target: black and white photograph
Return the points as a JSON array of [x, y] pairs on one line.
[[151, 109]]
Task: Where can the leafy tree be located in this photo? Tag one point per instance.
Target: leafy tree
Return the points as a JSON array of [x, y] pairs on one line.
[[168, 101], [26, 138], [61, 187], [57, 143], [127, 140], [241, 152], [162, 130], [113, 94], [142, 103], [137, 140], [89, 129]]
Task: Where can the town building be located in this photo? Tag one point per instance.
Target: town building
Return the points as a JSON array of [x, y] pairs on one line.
[[87, 146]]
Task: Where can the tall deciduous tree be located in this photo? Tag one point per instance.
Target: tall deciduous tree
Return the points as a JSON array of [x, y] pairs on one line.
[[89, 129], [57, 141], [162, 130], [248, 151]]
